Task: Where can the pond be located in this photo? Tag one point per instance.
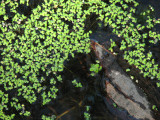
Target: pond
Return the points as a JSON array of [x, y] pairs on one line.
[[71, 102]]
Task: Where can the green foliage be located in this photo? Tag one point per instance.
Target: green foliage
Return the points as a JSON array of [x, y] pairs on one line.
[[123, 18], [127, 70], [95, 68], [115, 105], [154, 107], [158, 84], [76, 84], [34, 46], [87, 114], [53, 117], [113, 44]]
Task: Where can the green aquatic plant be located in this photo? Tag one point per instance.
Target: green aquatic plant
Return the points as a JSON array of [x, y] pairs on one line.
[[113, 44], [36, 40], [95, 68], [115, 105], [122, 17], [34, 46], [53, 117], [87, 115], [154, 107], [76, 84]]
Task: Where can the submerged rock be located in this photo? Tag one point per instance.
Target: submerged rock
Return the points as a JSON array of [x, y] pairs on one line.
[[121, 88]]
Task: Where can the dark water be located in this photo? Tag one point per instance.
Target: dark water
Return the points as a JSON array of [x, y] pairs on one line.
[[156, 5]]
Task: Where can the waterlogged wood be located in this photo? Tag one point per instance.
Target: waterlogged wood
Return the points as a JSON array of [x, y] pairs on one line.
[[121, 89], [131, 106]]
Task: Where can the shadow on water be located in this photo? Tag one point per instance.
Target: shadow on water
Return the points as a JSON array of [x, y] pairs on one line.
[[71, 101]]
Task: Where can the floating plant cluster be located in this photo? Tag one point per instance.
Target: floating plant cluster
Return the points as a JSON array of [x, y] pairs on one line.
[[36, 40], [121, 16]]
